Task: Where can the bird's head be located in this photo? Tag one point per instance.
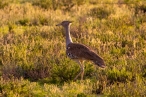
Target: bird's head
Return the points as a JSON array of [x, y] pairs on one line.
[[64, 23]]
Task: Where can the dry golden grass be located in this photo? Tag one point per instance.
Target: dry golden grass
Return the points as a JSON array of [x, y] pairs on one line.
[[32, 49]]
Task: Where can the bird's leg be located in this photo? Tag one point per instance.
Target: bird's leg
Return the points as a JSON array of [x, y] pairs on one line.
[[81, 70], [82, 74]]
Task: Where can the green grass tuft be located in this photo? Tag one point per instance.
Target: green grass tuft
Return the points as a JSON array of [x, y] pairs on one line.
[[32, 49]]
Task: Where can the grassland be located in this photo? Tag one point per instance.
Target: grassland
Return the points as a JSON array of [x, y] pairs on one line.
[[32, 49]]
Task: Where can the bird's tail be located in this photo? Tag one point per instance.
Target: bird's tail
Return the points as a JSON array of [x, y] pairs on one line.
[[99, 61]]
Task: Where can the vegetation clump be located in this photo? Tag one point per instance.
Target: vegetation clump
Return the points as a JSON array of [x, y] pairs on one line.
[[32, 49]]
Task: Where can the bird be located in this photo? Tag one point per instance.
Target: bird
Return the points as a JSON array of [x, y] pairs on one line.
[[79, 52]]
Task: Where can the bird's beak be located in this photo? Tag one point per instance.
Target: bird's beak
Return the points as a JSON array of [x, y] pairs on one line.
[[70, 21], [58, 24]]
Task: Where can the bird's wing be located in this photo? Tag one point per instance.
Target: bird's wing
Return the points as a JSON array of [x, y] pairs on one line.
[[80, 51]]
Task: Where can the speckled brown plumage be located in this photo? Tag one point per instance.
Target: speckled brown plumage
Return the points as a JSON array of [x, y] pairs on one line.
[[82, 52], [79, 52]]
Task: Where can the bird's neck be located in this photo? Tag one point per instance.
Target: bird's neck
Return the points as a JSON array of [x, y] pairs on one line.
[[68, 37]]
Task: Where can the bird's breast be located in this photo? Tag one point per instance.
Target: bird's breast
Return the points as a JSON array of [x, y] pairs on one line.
[[70, 53]]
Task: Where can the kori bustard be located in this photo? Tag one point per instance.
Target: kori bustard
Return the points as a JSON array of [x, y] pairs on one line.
[[79, 52]]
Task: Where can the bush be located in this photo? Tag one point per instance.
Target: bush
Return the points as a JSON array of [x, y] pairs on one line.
[[100, 12], [4, 3], [11, 71], [61, 4], [118, 75], [32, 49]]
